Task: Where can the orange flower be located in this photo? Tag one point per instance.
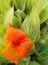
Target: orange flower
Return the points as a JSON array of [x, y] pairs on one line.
[[17, 46], [14, 35]]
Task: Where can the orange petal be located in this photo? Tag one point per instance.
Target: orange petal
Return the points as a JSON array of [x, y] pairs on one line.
[[14, 35], [10, 55], [24, 48]]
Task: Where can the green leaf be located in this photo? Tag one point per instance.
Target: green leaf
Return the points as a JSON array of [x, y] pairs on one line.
[[3, 7], [20, 13], [9, 17], [9, 1], [44, 15], [29, 5], [42, 55], [18, 18], [21, 63], [41, 4], [27, 27], [3, 60], [47, 24], [1, 18], [4, 64], [42, 7], [0, 63], [33, 63], [43, 29], [24, 61], [34, 17], [17, 22], [44, 40], [43, 32], [1, 30], [1, 44], [19, 4], [31, 25]]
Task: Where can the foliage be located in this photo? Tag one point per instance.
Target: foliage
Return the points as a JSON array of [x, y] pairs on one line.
[[31, 16]]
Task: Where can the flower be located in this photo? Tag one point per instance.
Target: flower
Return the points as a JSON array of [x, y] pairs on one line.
[[17, 45]]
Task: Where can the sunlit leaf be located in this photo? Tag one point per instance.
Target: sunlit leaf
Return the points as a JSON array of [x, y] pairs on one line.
[[29, 5], [9, 17], [31, 25], [41, 4], [4, 6], [19, 4], [44, 15], [20, 13]]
